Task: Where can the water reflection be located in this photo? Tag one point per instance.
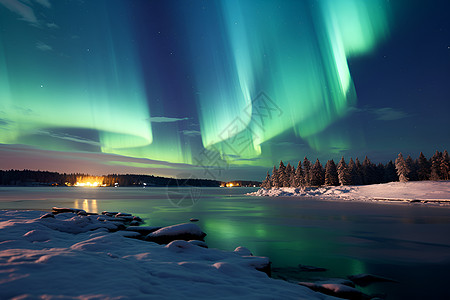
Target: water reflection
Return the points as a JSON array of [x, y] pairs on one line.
[[89, 205]]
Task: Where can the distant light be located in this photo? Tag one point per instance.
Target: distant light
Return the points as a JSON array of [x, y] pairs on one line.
[[89, 184]]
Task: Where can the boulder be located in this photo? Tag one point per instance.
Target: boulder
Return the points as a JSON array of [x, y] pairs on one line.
[[185, 231], [366, 279], [306, 268], [336, 290], [243, 251], [58, 210], [49, 215], [144, 230], [198, 243]]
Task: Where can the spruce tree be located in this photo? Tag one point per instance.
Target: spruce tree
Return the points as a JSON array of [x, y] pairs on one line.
[[359, 172], [402, 168], [390, 173], [274, 179], [368, 171], [423, 167], [353, 173], [266, 184], [379, 173], [288, 172], [292, 182], [331, 175], [412, 168], [445, 166], [307, 171], [299, 176], [316, 176], [343, 172], [282, 178], [436, 159]]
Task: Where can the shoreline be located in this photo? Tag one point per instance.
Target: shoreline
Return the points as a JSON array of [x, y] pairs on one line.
[[429, 193], [107, 255]]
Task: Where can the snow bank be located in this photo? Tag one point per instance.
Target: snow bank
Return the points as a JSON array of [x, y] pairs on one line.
[[419, 191], [77, 256]]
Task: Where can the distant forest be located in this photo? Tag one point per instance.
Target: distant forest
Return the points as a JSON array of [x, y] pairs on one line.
[[37, 178], [355, 173]]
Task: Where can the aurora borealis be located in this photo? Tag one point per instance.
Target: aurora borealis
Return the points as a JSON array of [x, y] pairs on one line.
[[219, 88]]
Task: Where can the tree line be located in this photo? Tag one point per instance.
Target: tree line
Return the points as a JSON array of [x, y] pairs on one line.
[[356, 173], [33, 178]]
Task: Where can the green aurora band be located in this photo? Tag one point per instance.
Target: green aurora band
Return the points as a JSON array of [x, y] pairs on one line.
[[73, 80]]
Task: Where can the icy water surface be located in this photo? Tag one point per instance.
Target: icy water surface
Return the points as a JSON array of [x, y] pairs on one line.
[[406, 242]]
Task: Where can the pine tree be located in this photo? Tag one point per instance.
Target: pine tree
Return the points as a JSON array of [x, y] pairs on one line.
[[266, 184], [402, 168], [316, 176], [379, 173], [343, 172], [282, 178], [368, 171], [331, 175], [423, 167], [307, 171], [445, 166], [436, 159], [390, 173], [292, 180], [274, 178], [299, 176], [353, 172], [288, 172], [359, 172], [412, 168]]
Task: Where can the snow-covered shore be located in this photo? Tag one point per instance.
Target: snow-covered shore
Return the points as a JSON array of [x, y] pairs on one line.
[[75, 256], [437, 192]]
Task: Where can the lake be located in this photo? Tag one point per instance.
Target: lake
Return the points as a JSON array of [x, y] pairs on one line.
[[406, 242]]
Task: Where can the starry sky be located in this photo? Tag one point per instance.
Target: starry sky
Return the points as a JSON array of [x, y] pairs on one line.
[[220, 89]]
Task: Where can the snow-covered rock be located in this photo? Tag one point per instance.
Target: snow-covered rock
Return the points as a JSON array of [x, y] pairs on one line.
[[185, 231], [336, 290], [243, 251]]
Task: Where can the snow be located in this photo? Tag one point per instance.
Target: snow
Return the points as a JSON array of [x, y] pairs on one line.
[[418, 191], [72, 256]]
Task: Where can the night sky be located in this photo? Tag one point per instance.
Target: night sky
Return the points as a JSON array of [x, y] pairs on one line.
[[220, 89]]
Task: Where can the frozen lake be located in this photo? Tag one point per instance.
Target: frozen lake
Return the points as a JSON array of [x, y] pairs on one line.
[[406, 242]]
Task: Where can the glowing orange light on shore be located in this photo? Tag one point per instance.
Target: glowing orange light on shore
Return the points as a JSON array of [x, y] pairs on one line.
[[89, 181]]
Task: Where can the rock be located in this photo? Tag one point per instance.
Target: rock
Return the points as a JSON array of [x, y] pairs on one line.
[[112, 219], [337, 280], [109, 213], [185, 231], [198, 243], [123, 215], [82, 213], [58, 210], [306, 268], [144, 230], [243, 251], [126, 218], [134, 223], [49, 215], [193, 220], [336, 290], [137, 219], [366, 279]]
